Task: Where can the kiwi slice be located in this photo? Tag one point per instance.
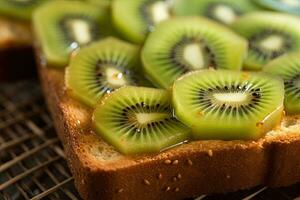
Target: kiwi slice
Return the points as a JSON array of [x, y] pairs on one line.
[[183, 44], [288, 67], [229, 105], [223, 11], [138, 120], [101, 68], [19, 9], [289, 6], [135, 18], [270, 35], [62, 26]]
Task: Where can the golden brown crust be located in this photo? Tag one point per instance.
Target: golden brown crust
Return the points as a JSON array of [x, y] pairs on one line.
[[189, 170], [14, 34]]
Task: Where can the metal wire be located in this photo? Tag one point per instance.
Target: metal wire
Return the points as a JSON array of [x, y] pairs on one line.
[[32, 164]]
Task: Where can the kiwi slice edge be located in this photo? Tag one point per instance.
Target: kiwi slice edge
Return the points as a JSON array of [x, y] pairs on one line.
[[227, 104], [137, 120], [269, 36], [220, 48], [100, 68], [288, 68], [56, 26]]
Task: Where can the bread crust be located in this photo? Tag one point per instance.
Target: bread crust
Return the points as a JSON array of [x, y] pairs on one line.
[[188, 170]]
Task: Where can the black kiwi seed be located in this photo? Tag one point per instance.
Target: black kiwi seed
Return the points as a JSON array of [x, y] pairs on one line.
[[141, 129], [63, 26], [290, 85], [266, 54], [103, 86], [206, 99], [111, 64], [270, 35], [146, 16]]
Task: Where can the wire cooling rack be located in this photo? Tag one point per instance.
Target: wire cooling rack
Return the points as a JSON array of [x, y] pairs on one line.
[[32, 164]]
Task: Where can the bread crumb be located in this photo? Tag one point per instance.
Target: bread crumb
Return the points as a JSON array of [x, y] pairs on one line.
[[175, 179], [159, 176], [228, 176], [168, 162], [190, 162], [175, 162], [146, 182], [176, 189], [167, 189], [179, 176], [210, 153], [120, 190]]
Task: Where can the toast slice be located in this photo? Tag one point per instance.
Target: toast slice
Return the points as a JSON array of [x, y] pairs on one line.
[[16, 53], [188, 170]]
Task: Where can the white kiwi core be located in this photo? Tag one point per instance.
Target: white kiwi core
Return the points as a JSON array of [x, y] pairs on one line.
[[81, 31], [115, 77], [231, 98], [272, 42], [193, 55], [225, 14], [159, 11], [146, 118]]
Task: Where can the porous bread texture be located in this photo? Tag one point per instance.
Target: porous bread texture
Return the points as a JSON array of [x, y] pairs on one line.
[[188, 170]]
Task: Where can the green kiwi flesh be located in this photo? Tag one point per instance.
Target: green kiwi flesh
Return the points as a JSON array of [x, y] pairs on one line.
[[101, 2], [223, 11], [138, 120], [289, 6], [63, 26], [18, 9], [269, 34], [288, 68], [184, 44], [228, 105], [101, 68], [135, 18]]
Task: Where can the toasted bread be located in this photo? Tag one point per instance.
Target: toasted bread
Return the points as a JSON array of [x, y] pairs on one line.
[[16, 52], [188, 170]]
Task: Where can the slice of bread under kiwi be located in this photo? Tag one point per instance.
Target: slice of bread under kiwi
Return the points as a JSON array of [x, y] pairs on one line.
[[189, 170]]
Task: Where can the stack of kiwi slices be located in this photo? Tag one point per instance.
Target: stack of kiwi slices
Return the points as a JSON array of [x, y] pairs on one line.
[[226, 70]]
